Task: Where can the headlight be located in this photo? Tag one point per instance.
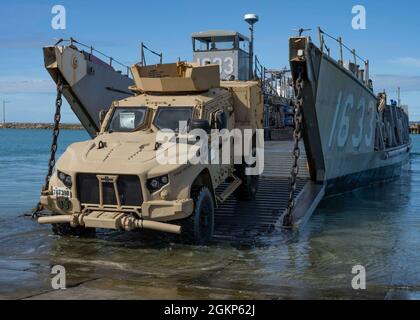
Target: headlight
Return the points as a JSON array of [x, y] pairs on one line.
[[61, 176], [65, 178], [155, 184], [164, 180]]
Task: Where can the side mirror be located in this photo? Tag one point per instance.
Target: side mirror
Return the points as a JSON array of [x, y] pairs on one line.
[[102, 115], [200, 124]]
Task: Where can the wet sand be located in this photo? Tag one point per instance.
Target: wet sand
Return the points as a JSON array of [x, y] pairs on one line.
[[118, 265]]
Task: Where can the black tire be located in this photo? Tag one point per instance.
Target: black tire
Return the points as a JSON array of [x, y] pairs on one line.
[[247, 191], [198, 228], [64, 229]]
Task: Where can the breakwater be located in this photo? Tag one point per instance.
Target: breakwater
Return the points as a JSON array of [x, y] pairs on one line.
[[42, 126]]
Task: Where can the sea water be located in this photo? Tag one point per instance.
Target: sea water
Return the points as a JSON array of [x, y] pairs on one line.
[[377, 228]]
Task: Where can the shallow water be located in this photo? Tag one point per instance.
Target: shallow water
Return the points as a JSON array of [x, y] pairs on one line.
[[377, 227]]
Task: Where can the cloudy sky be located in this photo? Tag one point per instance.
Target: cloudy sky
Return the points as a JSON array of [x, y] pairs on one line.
[[390, 42]]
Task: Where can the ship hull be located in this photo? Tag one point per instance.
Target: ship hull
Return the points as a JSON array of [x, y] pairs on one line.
[[371, 176], [341, 125]]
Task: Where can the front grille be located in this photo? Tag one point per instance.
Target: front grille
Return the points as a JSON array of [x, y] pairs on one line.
[[109, 193], [128, 189], [87, 188]]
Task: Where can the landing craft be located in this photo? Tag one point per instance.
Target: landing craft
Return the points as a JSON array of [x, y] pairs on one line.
[[351, 138]]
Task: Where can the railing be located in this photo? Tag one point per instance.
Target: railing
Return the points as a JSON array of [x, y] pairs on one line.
[[92, 50], [322, 34], [273, 82], [143, 56]]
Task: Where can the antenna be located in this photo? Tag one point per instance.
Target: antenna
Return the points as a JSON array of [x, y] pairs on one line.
[[251, 19]]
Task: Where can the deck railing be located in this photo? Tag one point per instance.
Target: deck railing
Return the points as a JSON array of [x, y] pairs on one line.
[[143, 56], [111, 61], [273, 82], [322, 34]]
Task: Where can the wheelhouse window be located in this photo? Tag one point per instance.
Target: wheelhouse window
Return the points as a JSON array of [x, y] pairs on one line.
[[220, 42], [215, 43], [170, 117], [127, 119]]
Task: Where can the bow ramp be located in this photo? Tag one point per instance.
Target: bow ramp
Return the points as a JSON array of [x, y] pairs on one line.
[[246, 221], [89, 83]]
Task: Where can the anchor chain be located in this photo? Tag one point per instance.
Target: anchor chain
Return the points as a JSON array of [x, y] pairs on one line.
[[54, 144], [297, 135]]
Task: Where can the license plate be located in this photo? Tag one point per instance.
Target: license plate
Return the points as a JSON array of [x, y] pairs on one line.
[[61, 192]]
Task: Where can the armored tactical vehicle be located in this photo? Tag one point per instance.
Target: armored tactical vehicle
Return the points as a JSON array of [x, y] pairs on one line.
[[116, 180]]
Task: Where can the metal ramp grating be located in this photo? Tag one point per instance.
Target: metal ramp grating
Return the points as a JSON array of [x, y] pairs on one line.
[[235, 220]]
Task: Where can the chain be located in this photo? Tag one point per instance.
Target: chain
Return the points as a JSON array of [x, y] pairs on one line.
[[55, 134], [297, 135]]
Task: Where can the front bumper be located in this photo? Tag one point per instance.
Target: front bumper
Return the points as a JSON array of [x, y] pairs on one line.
[[169, 210], [110, 220], [159, 210]]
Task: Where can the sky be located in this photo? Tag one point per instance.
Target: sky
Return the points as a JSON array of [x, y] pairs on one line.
[[390, 40]]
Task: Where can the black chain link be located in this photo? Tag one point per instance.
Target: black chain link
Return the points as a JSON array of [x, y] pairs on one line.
[[297, 135], [55, 134]]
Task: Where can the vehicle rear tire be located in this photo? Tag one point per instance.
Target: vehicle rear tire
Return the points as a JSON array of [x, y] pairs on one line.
[[198, 228], [64, 229], [247, 191]]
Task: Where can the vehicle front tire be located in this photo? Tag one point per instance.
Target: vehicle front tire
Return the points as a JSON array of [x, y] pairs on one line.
[[198, 228]]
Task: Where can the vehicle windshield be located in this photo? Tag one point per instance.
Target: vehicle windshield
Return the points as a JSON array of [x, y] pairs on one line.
[[127, 119], [169, 118]]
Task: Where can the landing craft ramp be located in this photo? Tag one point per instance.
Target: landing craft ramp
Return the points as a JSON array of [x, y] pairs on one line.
[[89, 83], [246, 221]]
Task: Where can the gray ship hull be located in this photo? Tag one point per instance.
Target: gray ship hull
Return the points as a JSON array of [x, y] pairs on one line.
[[342, 130]]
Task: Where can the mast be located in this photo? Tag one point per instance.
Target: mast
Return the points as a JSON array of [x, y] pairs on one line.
[[251, 19]]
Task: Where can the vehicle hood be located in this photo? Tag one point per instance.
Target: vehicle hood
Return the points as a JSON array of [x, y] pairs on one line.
[[116, 153], [121, 148]]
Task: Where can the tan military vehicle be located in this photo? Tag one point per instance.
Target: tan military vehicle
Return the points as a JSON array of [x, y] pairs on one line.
[[115, 180]]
